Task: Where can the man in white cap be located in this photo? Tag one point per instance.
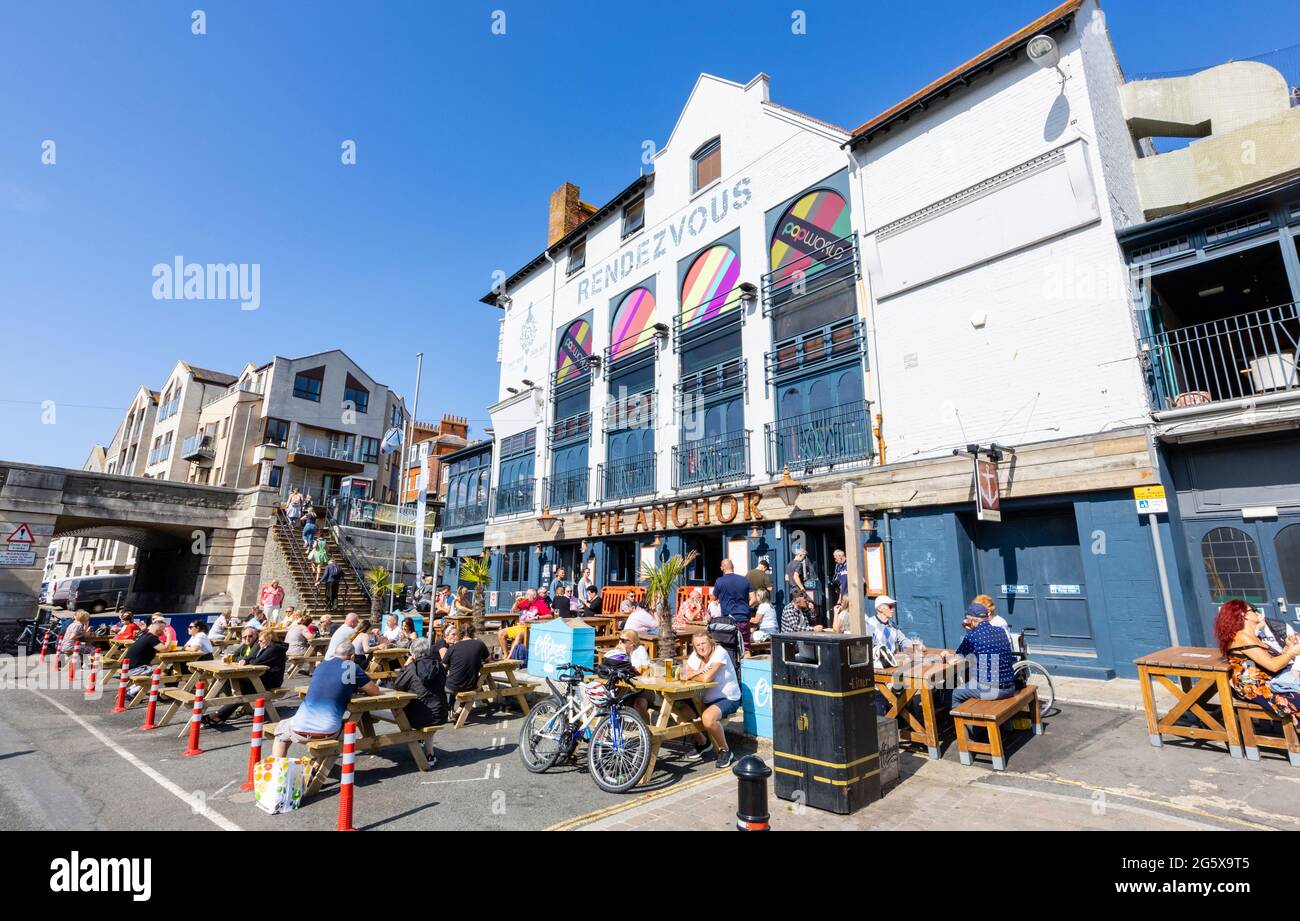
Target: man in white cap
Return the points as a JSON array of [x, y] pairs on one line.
[[880, 627]]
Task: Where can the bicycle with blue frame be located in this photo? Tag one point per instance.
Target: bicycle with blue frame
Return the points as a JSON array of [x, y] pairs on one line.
[[593, 705]]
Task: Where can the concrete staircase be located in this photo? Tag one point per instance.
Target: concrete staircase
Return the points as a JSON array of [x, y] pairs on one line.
[[352, 597]]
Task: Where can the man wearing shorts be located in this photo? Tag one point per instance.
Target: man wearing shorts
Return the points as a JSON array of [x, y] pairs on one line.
[[333, 685]]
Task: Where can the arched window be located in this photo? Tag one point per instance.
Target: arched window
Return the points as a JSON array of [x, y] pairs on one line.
[[1232, 566], [633, 317], [573, 352], [1286, 544], [812, 231], [706, 290]]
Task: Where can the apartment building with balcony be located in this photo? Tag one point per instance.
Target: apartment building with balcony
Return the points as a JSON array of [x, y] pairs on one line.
[[852, 307]]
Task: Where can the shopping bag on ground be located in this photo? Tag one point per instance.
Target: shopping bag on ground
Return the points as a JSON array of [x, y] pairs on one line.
[[278, 783]]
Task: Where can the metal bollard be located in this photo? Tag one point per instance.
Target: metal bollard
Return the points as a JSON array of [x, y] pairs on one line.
[[751, 794]]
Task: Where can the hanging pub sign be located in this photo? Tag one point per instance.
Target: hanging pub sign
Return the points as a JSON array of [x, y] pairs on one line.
[[988, 498]]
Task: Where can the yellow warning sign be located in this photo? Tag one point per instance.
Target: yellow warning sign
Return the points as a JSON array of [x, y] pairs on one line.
[[1148, 492]]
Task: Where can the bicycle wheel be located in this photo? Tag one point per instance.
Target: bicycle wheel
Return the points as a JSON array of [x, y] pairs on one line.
[[1028, 671], [543, 738], [619, 751]]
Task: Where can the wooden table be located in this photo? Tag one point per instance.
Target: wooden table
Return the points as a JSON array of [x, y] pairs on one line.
[[496, 681], [668, 725], [681, 640], [917, 680], [111, 663], [385, 661], [1202, 673], [604, 624], [362, 710], [173, 671], [218, 676]]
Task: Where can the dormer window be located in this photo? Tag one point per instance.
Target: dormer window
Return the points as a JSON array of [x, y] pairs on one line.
[[706, 165], [577, 255], [356, 394], [634, 215]]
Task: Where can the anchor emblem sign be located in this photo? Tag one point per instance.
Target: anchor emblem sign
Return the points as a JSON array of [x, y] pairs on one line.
[[988, 499]]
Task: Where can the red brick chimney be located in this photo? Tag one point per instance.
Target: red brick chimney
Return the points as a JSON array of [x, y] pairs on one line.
[[567, 211]]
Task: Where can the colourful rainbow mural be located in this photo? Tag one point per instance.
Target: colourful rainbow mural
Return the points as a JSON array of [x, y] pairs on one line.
[[575, 348], [808, 233], [634, 314], [711, 278]]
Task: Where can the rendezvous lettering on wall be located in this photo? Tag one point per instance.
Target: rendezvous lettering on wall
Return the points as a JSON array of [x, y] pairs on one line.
[[691, 226]]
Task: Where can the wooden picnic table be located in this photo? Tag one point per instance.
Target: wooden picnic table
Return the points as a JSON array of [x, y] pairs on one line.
[[668, 724], [362, 710], [173, 664], [681, 640], [604, 624], [1202, 673], [385, 661], [496, 681], [219, 676], [917, 680]]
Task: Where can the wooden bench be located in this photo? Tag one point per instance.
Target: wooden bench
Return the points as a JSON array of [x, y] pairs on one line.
[[990, 715], [611, 597], [497, 681], [1288, 742]]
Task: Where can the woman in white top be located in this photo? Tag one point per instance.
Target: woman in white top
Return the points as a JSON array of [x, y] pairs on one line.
[[710, 662], [199, 639], [764, 619], [631, 650], [639, 619]]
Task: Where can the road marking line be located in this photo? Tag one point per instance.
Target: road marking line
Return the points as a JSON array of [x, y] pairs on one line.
[[486, 776], [198, 808], [606, 812], [496, 773]]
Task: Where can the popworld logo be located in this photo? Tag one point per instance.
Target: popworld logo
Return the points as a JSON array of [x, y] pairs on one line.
[[103, 874]]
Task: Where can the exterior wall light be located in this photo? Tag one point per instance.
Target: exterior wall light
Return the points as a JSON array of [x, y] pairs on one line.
[[547, 520], [788, 489]]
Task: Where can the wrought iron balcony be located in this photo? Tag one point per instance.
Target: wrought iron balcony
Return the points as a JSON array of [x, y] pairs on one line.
[[514, 498], [574, 428], [1234, 358], [628, 477], [564, 490], [825, 438], [715, 383], [198, 447], [832, 262], [711, 461], [631, 412], [839, 340]]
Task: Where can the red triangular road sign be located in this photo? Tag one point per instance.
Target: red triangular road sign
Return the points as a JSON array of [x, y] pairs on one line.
[[22, 535]]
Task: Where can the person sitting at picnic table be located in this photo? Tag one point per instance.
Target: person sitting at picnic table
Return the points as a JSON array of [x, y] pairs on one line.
[[220, 627], [884, 633], [343, 635], [450, 634], [140, 654], [794, 617], [320, 716], [442, 602], [423, 598], [710, 662], [531, 608], [169, 633], [764, 620], [996, 619], [691, 612], [365, 639], [425, 676], [635, 617], [392, 628], [129, 629], [561, 605], [408, 634], [298, 635], [590, 604], [991, 674], [199, 640], [631, 650], [1256, 672], [257, 619], [463, 603], [464, 659], [325, 626], [260, 648]]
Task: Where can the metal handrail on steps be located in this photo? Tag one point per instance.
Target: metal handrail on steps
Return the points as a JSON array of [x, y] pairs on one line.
[[343, 542]]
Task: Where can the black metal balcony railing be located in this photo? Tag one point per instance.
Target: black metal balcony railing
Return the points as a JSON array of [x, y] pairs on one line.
[[838, 340], [627, 477], [514, 498], [464, 516], [632, 350], [709, 384], [730, 311], [636, 411], [711, 461], [832, 263], [820, 439], [568, 489], [1233, 358], [571, 429], [578, 372]]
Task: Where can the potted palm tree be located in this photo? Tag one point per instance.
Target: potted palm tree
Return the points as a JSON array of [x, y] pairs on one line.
[[661, 581], [477, 571], [380, 582]]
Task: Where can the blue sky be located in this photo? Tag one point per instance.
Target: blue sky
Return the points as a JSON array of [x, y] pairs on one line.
[[225, 147]]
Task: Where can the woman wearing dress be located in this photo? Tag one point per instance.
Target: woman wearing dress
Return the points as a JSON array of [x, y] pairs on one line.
[[1252, 666], [319, 556]]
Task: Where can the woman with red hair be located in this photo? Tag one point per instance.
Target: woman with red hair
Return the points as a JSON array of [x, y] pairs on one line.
[[1251, 664]]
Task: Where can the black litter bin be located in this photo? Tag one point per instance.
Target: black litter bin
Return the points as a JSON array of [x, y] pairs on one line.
[[824, 721]]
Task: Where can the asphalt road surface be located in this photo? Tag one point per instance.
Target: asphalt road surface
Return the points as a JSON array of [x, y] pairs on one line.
[[69, 763]]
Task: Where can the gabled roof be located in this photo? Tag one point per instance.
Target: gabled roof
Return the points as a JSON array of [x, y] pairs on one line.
[[961, 76], [212, 377]]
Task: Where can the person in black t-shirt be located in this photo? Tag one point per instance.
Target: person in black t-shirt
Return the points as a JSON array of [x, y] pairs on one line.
[[464, 659], [140, 654]]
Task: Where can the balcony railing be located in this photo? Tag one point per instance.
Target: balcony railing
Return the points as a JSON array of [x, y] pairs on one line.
[[831, 263], [514, 498], [198, 447], [823, 438], [1233, 358], [711, 461], [322, 447], [352, 512], [248, 386], [571, 429], [815, 347], [168, 409], [465, 516], [564, 490], [627, 477], [631, 412], [715, 383]]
